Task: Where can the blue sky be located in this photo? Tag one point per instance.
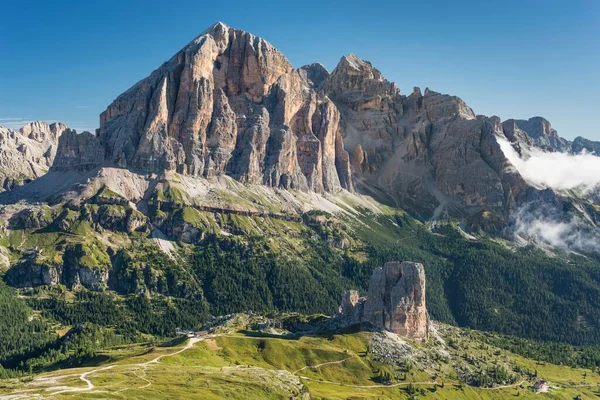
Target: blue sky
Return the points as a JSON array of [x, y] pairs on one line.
[[67, 60]]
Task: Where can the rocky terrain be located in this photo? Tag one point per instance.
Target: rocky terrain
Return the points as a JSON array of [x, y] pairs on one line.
[[229, 181], [395, 301], [227, 104], [28, 153], [581, 144], [230, 104]]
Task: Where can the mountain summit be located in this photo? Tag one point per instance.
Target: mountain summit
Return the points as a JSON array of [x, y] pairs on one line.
[[228, 103], [28, 153]]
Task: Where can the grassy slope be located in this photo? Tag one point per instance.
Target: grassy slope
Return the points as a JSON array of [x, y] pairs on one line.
[[242, 365]]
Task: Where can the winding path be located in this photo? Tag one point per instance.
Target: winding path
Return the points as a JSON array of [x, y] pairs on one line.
[[90, 386], [83, 377], [321, 365]]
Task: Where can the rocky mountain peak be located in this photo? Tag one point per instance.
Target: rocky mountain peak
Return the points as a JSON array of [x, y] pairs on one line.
[[27, 153], [229, 103], [42, 131], [353, 74], [314, 74], [537, 132], [581, 144]]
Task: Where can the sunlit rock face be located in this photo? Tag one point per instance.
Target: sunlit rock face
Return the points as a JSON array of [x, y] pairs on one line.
[[27, 153], [229, 103], [395, 301]]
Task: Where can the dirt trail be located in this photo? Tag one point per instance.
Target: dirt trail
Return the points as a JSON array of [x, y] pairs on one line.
[[156, 360], [188, 346], [83, 377], [21, 394], [322, 364], [402, 384], [26, 393], [505, 386], [368, 386]]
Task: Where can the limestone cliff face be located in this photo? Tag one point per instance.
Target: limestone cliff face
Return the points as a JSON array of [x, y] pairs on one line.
[[395, 301], [229, 103], [537, 132], [79, 152], [428, 153], [28, 153]]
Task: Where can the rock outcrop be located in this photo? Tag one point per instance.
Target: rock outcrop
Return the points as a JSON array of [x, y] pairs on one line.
[[581, 144], [28, 153], [229, 103], [537, 132], [395, 301], [428, 153], [78, 152]]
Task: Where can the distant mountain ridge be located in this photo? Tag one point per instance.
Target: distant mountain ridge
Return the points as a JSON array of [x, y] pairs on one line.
[[27, 153]]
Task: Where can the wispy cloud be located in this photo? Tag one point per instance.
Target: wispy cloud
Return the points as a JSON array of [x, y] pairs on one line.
[[14, 123], [2, 119], [555, 170], [546, 226]]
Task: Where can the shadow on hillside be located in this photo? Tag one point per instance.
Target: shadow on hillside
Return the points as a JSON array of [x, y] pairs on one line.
[[178, 341], [328, 334], [49, 187]]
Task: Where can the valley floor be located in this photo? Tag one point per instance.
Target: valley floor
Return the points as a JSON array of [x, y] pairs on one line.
[[258, 365]]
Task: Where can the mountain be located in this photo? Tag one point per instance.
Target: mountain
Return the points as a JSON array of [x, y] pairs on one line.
[[230, 104], [27, 153], [581, 144], [228, 181]]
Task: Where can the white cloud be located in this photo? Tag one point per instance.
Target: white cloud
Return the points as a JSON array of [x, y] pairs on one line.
[[545, 226], [555, 170]]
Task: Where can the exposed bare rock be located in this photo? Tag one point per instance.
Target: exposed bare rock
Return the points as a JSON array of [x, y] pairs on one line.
[[314, 74], [349, 300], [30, 273], [395, 301], [229, 104], [357, 82], [428, 153], [28, 153], [78, 152], [581, 144], [222, 135], [536, 131]]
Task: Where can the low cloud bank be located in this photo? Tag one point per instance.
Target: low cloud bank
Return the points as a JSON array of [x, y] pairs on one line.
[[559, 171], [545, 226]]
